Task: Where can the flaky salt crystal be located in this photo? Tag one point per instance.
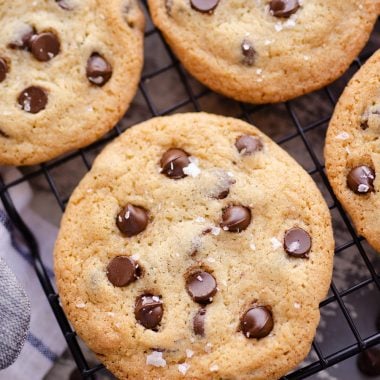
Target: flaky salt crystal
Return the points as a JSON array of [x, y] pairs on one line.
[[214, 368], [275, 243], [189, 353], [183, 368], [199, 219], [363, 188], [192, 170], [342, 136], [215, 231], [155, 359], [80, 305]]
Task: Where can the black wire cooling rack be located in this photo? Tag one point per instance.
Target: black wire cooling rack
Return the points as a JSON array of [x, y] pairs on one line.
[[297, 134]]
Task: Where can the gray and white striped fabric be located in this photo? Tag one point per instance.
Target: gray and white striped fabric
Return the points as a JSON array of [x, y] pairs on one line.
[[44, 341], [14, 316]]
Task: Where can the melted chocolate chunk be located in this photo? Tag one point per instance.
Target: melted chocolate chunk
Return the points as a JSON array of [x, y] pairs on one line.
[[98, 70], [257, 322], [149, 311], [44, 46], [283, 8], [201, 287], [121, 271], [297, 242], [248, 52], [33, 99], [204, 6], [132, 220], [236, 218], [199, 322], [3, 69], [361, 180], [173, 162], [369, 362], [247, 145]]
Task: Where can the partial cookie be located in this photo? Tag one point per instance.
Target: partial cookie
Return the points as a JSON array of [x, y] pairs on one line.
[[265, 51], [352, 150], [195, 247], [68, 71]]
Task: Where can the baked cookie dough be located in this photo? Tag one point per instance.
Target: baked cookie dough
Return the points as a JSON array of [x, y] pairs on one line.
[[68, 71], [195, 247], [352, 150], [265, 51]]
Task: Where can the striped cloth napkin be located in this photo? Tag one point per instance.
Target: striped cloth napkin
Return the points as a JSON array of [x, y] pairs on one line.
[[44, 342]]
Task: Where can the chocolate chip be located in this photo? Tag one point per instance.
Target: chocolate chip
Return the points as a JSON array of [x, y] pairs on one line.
[[204, 6], [369, 362], [23, 41], [64, 5], [121, 271], [236, 218], [149, 311], [283, 8], [364, 125], [98, 70], [172, 163], [257, 322], [3, 69], [199, 322], [248, 52], [201, 286], [247, 145], [33, 99], [297, 242], [361, 179], [132, 220], [44, 46]]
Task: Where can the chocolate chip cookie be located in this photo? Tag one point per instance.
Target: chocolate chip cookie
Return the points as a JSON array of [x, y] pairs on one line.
[[265, 51], [352, 150], [195, 247], [68, 71]]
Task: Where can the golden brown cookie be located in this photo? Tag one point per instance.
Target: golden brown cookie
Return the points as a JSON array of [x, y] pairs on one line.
[[265, 51], [68, 71], [196, 248], [352, 150]]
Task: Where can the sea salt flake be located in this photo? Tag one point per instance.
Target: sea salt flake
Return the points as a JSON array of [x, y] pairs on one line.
[[278, 27], [208, 347], [215, 231], [290, 23], [192, 170], [252, 246], [199, 219], [189, 353], [183, 368], [211, 260], [297, 305], [259, 71], [342, 136], [135, 257], [127, 215], [156, 299], [155, 359], [80, 305], [275, 243], [214, 368], [306, 58], [199, 278], [363, 188]]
